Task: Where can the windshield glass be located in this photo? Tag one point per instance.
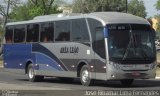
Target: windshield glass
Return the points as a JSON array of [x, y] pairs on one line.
[[131, 43]]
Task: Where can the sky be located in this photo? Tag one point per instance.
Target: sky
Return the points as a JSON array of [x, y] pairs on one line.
[[150, 8]]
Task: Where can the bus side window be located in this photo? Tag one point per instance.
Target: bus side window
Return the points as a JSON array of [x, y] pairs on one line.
[[19, 34], [9, 34], [33, 33], [62, 31], [79, 30], [47, 32]]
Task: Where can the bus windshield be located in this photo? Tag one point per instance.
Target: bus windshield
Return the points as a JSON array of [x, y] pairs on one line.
[[131, 43]]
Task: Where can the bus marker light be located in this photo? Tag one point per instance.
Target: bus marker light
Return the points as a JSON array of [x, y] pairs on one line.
[[59, 65], [112, 76], [88, 52], [5, 63], [91, 66], [73, 66]]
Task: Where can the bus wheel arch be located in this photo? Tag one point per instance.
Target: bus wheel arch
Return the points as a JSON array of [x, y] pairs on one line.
[[26, 67], [85, 76], [31, 73], [79, 67], [82, 68]]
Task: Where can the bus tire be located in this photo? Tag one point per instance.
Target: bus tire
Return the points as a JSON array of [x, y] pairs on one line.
[[127, 82], [31, 75], [85, 77]]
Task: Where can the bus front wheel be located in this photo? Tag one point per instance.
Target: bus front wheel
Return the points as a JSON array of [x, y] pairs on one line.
[[127, 82], [31, 74], [85, 77]]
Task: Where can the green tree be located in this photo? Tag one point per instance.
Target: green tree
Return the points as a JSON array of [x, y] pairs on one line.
[[34, 8], [87, 6], [136, 7], [4, 5], [158, 5]]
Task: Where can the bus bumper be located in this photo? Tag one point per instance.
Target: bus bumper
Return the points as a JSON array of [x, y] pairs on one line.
[[118, 74]]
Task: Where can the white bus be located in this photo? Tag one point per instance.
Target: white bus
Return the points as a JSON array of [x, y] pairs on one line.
[[95, 46]]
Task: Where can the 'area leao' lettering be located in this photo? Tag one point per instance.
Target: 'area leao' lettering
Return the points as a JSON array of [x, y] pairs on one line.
[[69, 50]]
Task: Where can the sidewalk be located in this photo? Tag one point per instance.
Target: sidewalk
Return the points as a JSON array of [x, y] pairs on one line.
[[1, 63], [158, 73]]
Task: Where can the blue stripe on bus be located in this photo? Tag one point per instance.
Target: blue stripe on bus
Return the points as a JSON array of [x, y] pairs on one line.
[[47, 63], [16, 56], [41, 49], [105, 31]]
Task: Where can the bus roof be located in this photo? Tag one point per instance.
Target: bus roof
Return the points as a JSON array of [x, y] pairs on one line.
[[104, 17]]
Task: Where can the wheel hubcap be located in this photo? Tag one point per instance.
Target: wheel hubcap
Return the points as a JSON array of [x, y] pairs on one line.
[[85, 76], [31, 73]]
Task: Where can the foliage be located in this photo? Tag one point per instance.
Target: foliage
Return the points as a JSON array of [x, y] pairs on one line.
[[34, 8], [87, 6], [135, 7], [158, 5], [158, 26], [8, 4]]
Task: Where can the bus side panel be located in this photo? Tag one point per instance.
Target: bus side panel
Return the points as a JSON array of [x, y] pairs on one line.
[[47, 63], [16, 55]]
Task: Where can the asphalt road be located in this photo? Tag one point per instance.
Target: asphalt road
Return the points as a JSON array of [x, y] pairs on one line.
[[13, 81]]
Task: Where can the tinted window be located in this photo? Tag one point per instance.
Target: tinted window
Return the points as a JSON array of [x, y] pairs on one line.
[[47, 32], [92, 25], [79, 30], [19, 33], [131, 43], [99, 46], [62, 31], [33, 33], [9, 34]]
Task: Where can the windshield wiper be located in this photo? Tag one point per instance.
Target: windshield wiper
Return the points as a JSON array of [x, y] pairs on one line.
[[144, 54], [128, 46]]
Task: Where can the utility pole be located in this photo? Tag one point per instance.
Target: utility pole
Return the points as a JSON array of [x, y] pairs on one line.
[[126, 6]]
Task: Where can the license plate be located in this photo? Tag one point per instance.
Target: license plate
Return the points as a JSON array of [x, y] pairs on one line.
[[136, 73]]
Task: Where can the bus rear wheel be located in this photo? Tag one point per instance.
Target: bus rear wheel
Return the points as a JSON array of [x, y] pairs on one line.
[[85, 77], [31, 75], [127, 82]]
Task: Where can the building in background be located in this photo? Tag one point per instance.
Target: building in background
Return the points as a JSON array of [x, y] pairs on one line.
[[65, 9], [155, 23]]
